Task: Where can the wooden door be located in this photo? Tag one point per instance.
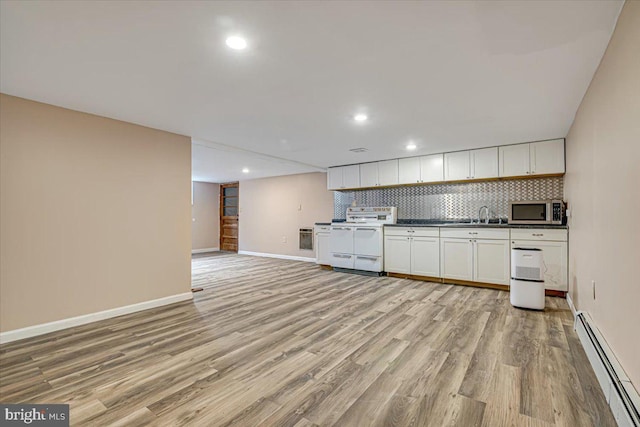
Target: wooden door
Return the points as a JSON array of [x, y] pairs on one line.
[[229, 198]]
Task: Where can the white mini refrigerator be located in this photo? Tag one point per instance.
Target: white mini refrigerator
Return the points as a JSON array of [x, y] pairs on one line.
[[527, 278]]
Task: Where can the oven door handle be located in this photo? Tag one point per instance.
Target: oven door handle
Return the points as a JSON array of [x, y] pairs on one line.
[[366, 229]]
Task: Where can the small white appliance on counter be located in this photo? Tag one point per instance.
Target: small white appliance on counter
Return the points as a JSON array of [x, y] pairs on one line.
[[527, 278], [358, 243]]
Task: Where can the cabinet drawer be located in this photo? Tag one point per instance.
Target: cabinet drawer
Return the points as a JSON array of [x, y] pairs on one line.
[[368, 263], [342, 260], [539, 234], [412, 231], [426, 232], [397, 231], [475, 233]]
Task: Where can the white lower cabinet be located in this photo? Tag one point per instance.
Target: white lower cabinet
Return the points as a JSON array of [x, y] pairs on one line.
[[553, 244], [323, 255], [456, 259], [475, 255], [397, 253], [491, 259], [413, 251]]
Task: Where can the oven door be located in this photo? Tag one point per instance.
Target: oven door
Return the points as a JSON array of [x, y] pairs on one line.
[[530, 212], [341, 239], [367, 240]]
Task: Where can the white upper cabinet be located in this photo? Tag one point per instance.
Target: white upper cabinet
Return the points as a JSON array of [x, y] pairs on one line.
[[514, 160], [379, 173], [388, 172], [421, 169], [431, 168], [409, 170], [457, 166], [484, 163], [536, 158], [368, 174], [343, 177], [351, 176], [473, 164], [547, 157]]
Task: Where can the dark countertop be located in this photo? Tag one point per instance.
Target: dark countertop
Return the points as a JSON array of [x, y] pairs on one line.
[[456, 224], [465, 224]]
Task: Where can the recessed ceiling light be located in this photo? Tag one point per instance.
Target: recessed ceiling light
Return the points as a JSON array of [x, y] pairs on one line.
[[245, 170], [236, 42], [411, 146], [360, 118]]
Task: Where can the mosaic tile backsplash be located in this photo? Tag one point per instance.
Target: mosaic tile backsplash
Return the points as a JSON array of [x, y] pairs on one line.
[[451, 201]]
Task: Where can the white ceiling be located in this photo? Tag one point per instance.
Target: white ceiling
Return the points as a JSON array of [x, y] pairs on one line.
[[448, 75]]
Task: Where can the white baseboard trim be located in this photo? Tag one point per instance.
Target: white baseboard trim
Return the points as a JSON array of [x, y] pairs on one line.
[[290, 257], [571, 306], [203, 250], [45, 328]]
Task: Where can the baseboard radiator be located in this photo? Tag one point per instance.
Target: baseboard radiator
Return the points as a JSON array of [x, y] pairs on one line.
[[621, 396]]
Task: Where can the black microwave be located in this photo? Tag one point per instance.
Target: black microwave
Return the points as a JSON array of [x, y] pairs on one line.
[[537, 212]]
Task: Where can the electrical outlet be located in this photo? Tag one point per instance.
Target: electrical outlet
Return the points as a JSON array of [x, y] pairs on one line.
[[284, 239], [593, 288]]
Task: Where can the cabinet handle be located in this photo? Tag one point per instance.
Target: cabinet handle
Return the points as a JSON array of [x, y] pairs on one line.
[[366, 229], [539, 234], [371, 258]]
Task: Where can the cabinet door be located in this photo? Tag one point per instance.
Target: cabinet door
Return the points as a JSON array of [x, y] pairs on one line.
[[388, 172], [456, 259], [547, 157], [555, 256], [491, 261], [334, 178], [456, 166], [397, 254], [514, 160], [368, 174], [322, 249], [432, 168], [425, 256], [409, 170], [351, 176], [484, 163]]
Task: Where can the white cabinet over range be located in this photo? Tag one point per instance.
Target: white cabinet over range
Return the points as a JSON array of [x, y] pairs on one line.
[[507, 161]]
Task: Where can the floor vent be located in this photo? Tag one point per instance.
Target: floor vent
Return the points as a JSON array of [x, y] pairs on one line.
[[621, 396]]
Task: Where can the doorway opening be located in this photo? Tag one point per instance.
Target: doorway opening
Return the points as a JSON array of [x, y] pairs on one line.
[[229, 205]]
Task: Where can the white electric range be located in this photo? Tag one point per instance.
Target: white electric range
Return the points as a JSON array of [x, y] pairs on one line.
[[358, 243]]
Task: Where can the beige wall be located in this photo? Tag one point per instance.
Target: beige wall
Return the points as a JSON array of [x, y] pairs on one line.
[[95, 213], [602, 188], [205, 216], [269, 212]]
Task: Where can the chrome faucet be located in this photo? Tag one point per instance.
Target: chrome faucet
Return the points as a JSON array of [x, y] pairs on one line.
[[486, 220]]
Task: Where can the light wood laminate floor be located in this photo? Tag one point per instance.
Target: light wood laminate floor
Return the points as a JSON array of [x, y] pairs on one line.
[[284, 343]]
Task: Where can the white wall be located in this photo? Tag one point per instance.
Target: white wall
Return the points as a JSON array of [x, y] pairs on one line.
[[602, 188], [273, 210]]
